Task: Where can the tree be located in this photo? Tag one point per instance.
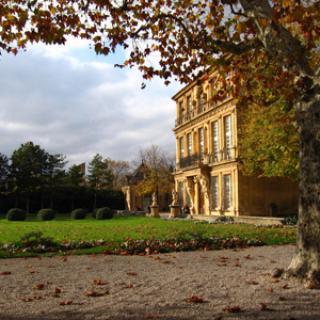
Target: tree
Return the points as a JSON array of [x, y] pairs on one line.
[[100, 176], [54, 174], [4, 172], [28, 165], [273, 43], [119, 170], [74, 179], [273, 151], [158, 176]]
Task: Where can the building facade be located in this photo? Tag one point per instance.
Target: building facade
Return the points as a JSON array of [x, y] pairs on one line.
[[208, 178]]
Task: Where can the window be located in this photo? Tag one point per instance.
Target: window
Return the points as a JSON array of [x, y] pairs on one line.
[[189, 104], [214, 193], [189, 142], [215, 140], [202, 102], [228, 136], [227, 192], [201, 141], [181, 146], [180, 109]]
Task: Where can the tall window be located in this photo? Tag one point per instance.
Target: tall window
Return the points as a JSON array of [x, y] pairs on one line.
[[189, 104], [227, 192], [228, 136], [180, 109], [202, 102], [215, 140], [214, 192], [201, 141], [189, 142], [181, 147]]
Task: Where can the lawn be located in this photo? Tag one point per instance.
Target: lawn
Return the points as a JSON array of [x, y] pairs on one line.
[[121, 228]]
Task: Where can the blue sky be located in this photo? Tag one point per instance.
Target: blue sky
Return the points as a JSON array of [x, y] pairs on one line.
[[71, 101]]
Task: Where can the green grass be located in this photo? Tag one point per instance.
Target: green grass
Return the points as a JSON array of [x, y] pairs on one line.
[[120, 229]]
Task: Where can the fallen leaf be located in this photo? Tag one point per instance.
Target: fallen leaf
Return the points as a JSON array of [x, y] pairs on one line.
[[5, 273], [232, 309], [282, 298], [248, 257], [99, 282], [132, 274], [277, 272], [39, 286], [92, 293], [195, 299], [264, 307], [252, 282], [285, 286], [66, 303]]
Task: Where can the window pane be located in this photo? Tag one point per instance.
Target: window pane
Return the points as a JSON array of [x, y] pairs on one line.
[[227, 192], [214, 193], [215, 140], [189, 141], [189, 104], [228, 136], [201, 141], [181, 145]]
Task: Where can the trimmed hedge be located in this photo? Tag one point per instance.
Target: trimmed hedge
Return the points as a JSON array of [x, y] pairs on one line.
[[104, 213], [78, 214], [16, 214], [46, 214]]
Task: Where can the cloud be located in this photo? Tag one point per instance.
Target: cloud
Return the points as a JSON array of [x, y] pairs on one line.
[[71, 102]]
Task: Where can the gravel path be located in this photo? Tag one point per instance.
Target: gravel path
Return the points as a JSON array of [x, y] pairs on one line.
[[155, 287]]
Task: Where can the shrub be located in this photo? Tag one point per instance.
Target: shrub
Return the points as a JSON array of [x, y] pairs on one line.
[[290, 220], [16, 214], [78, 214], [46, 214], [224, 219], [104, 213], [35, 239]]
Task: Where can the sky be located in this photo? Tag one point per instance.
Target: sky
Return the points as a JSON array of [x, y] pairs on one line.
[[71, 101]]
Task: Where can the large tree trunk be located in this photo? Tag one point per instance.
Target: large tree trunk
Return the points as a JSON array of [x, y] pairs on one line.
[[306, 262]]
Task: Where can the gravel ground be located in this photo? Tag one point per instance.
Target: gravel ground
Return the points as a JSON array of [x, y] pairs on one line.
[[231, 284]]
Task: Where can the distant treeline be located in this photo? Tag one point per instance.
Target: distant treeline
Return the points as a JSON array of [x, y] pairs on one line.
[[31, 178], [64, 200]]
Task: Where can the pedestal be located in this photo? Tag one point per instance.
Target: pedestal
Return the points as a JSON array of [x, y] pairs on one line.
[[154, 211], [175, 211]]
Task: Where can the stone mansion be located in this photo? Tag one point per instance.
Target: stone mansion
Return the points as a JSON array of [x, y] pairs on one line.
[[208, 178]]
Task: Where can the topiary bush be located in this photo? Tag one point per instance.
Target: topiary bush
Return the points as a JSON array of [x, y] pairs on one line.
[[224, 219], [46, 214], [104, 213], [16, 214], [78, 214]]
